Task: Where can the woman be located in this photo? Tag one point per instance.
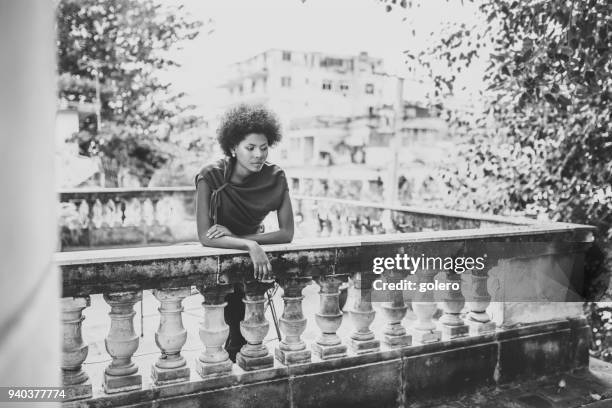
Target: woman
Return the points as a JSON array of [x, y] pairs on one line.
[[234, 195]]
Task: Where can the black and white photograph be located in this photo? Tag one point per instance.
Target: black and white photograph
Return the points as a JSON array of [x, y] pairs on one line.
[[306, 203]]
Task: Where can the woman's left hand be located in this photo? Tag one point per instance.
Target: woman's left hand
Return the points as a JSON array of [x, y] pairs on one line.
[[218, 231]]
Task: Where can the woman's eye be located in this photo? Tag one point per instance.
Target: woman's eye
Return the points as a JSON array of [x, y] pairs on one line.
[[250, 148]]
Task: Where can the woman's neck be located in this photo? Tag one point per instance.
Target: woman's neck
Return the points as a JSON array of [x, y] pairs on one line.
[[239, 173]]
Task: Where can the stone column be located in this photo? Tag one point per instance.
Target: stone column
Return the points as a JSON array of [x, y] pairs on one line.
[[451, 323], [170, 337], [30, 297], [121, 343], [362, 315], [329, 318], [75, 381], [424, 307], [292, 349], [255, 355], [478, 319], [394, 311], [214, 360]]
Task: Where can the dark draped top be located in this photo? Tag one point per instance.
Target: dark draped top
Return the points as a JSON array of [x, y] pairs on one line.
[[242, 207]]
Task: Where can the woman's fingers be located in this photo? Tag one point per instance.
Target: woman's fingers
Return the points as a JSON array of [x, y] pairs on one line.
[[262, 270], [267, 270], [215, 232]]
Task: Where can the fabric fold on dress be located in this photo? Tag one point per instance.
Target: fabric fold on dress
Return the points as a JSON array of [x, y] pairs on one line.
[[241, 207]]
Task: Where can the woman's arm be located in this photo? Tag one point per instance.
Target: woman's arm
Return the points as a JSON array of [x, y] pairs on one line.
[[285, 226], [261, 263]]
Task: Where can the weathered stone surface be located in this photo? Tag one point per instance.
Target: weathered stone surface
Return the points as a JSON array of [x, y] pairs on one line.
[[114, 384], [450, 371], [477, 328], [78, 391], [452, 332], [373, 385], [327, 352], [268, 394], [164, 376], [213, 369], [579, 342], [535, 355], [248, 363]]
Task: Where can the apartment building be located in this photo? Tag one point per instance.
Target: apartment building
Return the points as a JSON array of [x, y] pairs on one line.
[[302, 84], [338, 114]]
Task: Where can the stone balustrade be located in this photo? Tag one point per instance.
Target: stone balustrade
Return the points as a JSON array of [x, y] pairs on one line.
[[427, 345], [111, 217]]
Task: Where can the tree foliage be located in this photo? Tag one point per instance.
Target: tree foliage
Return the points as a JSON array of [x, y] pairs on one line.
[[543, 141], [120, 46]]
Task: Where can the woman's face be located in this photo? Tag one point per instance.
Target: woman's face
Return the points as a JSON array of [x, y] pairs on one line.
[[252, 152]]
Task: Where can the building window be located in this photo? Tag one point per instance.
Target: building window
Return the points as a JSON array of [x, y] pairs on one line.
[[253, 86], [286, 82], [344, 87], [332, 62], [286, 56], [240, 89], [327, 86], [369, 89]]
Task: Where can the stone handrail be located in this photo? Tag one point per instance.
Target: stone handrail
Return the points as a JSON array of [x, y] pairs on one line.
[[171, 272], [110, 217]]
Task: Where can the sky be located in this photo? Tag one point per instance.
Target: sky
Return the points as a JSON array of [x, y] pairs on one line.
[[237, 29]]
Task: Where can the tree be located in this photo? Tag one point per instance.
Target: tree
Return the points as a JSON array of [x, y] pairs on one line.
[[118, 46], [543, 142]]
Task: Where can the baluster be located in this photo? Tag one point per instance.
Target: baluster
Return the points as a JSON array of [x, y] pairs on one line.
[[362, 315], [97, 214], [255, 355], [424, 307], [329, 318], [74, 352], [84, 216], [148, 212], [394, 311], [121, 343], [292, 349], [478, 319], [112, 215], [162, 211], [170, 337], [451, 322], [132, 212], [350, 295], [214, 360]]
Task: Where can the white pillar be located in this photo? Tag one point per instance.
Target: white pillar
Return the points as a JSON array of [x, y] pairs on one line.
[[30, 298]]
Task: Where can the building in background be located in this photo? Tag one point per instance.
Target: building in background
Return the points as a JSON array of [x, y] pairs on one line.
[[73, 169], [339, 119]]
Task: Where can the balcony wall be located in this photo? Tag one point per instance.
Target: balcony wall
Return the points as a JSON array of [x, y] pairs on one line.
[[115, 217], [376, 354]]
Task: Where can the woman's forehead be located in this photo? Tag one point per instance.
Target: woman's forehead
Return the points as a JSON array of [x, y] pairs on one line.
[[255, 138]]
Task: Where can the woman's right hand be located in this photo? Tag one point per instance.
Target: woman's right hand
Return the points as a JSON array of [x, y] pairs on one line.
[[261, 263]]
